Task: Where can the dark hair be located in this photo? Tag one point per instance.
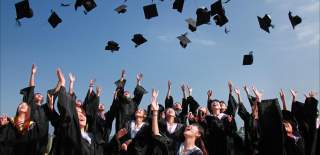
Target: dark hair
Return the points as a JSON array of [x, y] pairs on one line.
[[27, 120], [199, 141], [210, 103]]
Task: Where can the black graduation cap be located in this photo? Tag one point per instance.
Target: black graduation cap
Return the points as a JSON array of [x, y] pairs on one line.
[[89, 5], [178, 5], [247, 59], [265, 23], [203, 16], [121, 9], [78, 3], [54, 19], [184, 40], [112, 46], [23, 10], [138, 39], [220, 20], [216, 8], [192, 24], [294, 20], [150, 11]]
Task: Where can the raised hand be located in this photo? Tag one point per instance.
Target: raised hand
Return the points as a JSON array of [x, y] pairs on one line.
[[139, 76], [311, 94], [169, 84], [72, 78], [189, 90], [98, 90], [61, 78], [230, 86], [257, 93], [283, 100], [154, 102], [50, 100], [209, 93], [237, 91], [123, 74], [92, 82], [33, 69], [3, 120]]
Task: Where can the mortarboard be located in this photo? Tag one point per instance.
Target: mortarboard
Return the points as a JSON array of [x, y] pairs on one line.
[[138, 39], [178, 5], [121, 9], [220, 20], [23, 10], [216, 8], [150, 11], [265, 23], [89, 5], [247, 59], [112, 46], [184, 40], [203, 16], [294, 20], [192, 25], [54, 19]]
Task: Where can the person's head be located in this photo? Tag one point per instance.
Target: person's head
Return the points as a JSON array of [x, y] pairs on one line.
[[78, 103], [101, 107], [140, 114], [170, 113], [222, 106], [23, 112], [202, 112], [287, 126], [215, 107], [82, 117], [38, 98], [127, 94], [177, 106]]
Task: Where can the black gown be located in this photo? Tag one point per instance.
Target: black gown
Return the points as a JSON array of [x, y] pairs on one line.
[[39, 114], [122, 108]]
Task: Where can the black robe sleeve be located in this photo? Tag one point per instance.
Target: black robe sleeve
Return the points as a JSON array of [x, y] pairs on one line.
[[270, 121], [232, 106], [168, 102], [139, 91], [193, 104]]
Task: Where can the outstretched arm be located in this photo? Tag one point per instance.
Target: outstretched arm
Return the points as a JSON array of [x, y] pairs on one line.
[[255, 104], [72, 78], [283, 100], [169, 100], [32, 75], [154, 109]]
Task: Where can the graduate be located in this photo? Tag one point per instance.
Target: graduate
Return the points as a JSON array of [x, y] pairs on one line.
[[39, 111], [124, 106], [191, 134]]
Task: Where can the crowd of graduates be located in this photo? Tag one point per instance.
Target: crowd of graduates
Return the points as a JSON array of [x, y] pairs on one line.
[[174, 128]]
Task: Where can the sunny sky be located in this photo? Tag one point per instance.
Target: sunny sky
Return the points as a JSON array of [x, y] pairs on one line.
[[285, 58]]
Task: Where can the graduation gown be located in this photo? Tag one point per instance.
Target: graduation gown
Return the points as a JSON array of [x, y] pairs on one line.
[[69, 140], [39, 114], [251, 131], [270, 122], [122, 108]]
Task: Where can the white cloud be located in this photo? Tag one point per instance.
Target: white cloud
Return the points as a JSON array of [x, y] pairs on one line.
[[204, 42]]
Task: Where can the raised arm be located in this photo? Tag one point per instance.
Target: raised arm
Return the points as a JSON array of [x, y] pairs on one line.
[[255, 111], [154, 109], [237, 91], [232, 104], [32, 75], [248, 95], [72, 78], [283, 100], [169, 100], [139, 91], [294, 95]]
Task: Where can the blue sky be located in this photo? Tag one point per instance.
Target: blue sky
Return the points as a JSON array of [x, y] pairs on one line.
[[285, 58]]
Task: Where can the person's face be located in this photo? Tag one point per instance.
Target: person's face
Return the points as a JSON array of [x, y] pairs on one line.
[[223, 107], [82, 117], [127, 94], [177, 107], [101, 107], [78, 103], [140, 113], [191, 131], [23, 107], [170, 113], [202, 112], [38, 98], [287, 127], [215, 106]]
